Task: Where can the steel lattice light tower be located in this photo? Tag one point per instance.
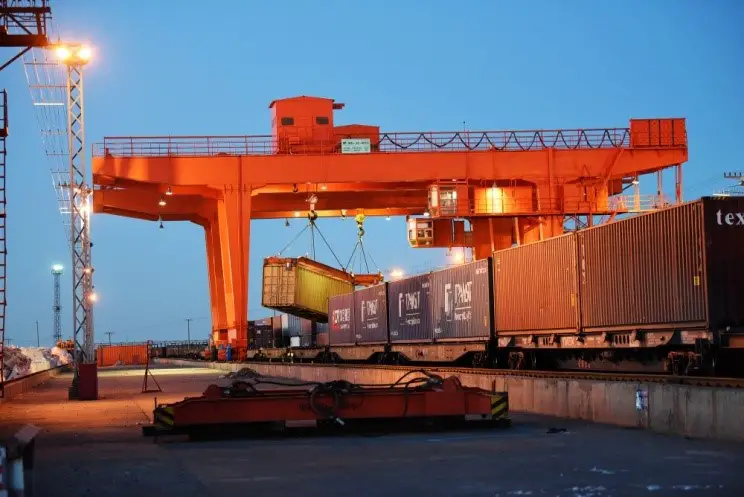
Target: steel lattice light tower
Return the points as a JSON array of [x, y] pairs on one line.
[[57, 307], [75, 57]]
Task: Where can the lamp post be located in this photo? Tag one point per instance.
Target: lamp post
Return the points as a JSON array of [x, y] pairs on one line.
[[75, 57]]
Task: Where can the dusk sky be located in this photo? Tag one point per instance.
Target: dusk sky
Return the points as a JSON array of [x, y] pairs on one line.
[[197, 68]]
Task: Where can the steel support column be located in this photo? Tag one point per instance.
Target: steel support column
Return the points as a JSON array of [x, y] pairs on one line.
[[80, 213]]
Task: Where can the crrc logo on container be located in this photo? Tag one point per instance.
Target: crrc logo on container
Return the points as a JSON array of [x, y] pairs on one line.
[[731, 218]]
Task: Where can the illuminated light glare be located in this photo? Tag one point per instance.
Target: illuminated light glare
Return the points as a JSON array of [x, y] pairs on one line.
[[57, 268], [635, 181], [324, 187], [297, 214], [63, 53], [459, 257], [85, 53], [161, 203], [387, 218], [426, 214], [396, 273], [169, 192], [93, 297]]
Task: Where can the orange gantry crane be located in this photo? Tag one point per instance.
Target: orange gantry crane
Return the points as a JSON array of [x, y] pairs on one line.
[[510, 186]]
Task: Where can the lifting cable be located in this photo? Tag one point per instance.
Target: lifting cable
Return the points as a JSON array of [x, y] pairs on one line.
[[312, 216], [359, 218]]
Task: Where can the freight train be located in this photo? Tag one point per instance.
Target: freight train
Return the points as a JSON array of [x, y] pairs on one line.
[[660, 291]]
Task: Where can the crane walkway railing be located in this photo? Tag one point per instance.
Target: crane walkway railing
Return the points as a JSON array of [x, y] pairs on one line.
[[457, 141]]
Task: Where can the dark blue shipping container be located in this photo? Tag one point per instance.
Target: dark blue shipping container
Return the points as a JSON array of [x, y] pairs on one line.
[[409, 309], [341, 319], [370, 315], [462, 301]]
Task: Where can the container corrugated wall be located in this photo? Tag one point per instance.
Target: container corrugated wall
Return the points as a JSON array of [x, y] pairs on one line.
[[109, 355], [298, 289], [370, 315], [724, 223], [461, 301], [409, 309], [536, 286], [644, 270], [341, 319], [314, 290]]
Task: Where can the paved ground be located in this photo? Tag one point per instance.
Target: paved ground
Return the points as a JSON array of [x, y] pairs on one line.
[[95, 449]]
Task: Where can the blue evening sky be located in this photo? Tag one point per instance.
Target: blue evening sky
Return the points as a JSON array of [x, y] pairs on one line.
[[197, 68]]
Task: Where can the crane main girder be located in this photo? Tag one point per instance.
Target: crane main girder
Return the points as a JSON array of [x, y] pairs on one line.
[[222, 182]]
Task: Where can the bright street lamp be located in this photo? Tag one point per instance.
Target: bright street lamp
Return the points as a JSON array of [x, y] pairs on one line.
[[57, 269], [73, 54]]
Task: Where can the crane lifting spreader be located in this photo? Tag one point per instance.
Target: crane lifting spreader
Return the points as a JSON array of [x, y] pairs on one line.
[[254, 401]]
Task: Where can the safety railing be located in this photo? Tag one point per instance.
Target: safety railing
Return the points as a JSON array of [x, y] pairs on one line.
[[458, 141], [506, 205], [638, 203]]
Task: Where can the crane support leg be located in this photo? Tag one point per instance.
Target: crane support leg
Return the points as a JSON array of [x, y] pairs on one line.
[[216, 279], [233, 227]]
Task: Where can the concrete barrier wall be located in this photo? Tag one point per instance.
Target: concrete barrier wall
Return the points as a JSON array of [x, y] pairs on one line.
[[685, 410], [28, 383]]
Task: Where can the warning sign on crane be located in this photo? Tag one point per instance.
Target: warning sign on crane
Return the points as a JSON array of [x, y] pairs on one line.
[[356, 146]]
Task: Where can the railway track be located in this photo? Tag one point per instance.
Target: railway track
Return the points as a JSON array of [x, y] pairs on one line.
[[698, 381]]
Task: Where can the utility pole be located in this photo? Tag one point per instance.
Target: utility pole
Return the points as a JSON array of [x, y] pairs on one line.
[[188, 330], [109, 333], [38, 342]]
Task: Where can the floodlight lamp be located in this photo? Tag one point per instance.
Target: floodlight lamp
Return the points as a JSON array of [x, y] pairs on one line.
[[74, 54], [57, 269], [84, 53]]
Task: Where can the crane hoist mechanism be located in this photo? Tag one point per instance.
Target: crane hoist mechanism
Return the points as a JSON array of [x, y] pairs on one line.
[[362, 278], [250, 400]]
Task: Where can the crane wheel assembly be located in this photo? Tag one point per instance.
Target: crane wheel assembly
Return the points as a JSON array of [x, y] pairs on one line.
[[254, 404]]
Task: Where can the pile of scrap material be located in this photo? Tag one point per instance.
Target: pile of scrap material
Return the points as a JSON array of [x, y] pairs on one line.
[[22, 361]]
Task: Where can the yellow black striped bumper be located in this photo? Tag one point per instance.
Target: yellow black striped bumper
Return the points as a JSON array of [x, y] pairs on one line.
[[500, 406], [163, 417]]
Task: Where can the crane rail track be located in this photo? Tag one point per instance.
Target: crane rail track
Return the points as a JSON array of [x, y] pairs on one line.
[[697, 381]]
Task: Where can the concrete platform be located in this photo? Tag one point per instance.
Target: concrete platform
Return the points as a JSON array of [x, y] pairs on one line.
[[96, 448]]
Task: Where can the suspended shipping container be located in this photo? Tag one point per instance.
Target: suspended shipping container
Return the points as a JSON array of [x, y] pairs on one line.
[[341, 319], [302, 287], [536, 287], [409, 309], [370, 315], [462, 301], [678, 267]]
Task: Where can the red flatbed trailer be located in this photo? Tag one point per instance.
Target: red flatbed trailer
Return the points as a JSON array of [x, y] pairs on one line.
[[427, 398]]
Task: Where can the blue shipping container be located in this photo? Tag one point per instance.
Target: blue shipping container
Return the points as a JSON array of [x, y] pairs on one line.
[[409, 309], [461, 301]]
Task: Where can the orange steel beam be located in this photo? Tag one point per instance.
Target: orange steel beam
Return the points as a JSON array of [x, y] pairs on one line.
[[223, 182], [143, 204]]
